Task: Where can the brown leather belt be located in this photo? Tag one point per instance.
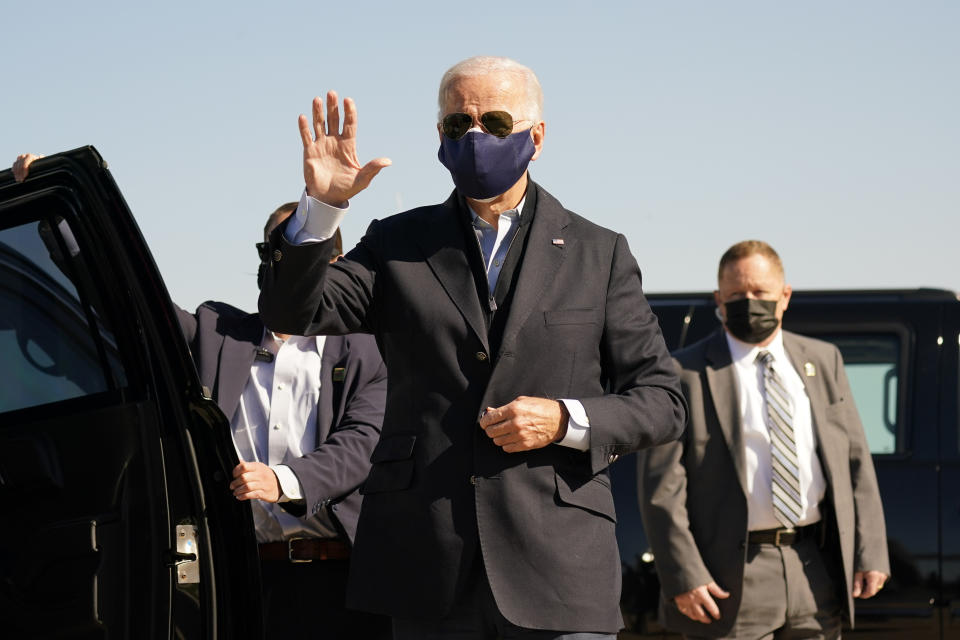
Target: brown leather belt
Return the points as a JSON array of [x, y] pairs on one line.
[[304, 550], [784, 537]]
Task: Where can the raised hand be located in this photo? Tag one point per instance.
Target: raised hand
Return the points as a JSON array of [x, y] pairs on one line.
[[331, 170]]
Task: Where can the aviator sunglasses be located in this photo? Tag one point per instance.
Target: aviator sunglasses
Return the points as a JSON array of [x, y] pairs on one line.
[[497, 123]]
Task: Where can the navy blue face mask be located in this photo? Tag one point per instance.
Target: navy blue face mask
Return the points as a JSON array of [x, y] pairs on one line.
[[483, 165]]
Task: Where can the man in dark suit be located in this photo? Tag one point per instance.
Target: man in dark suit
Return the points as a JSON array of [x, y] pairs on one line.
[[305, 415], [523, 360], [765, 519]]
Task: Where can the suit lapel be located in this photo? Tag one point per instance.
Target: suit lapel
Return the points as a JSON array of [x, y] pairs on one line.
[[541, 261], [442, 242], [237, 353], [824, 439], [333, 348], [722, 381]]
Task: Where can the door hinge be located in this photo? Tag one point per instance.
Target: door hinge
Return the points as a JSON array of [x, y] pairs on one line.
[[184, 559]]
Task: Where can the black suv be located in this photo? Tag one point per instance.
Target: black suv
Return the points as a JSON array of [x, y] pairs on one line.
[[900, 350], [113, 465]]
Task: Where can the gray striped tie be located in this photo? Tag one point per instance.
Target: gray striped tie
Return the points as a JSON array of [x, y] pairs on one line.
[[783, 447]]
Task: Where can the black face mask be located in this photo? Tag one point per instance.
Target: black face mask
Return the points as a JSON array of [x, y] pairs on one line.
[[751, 321]]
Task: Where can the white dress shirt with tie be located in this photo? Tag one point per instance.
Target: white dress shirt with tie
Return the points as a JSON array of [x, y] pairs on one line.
[[756, 435]]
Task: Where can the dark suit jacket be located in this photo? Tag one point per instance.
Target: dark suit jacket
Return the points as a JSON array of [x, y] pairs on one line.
[[544, 519], [223, 341], [693, 493]]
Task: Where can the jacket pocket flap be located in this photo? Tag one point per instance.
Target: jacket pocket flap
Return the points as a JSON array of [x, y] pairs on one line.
[[589, 493], [394, 448], [388, 476], [570, 316]]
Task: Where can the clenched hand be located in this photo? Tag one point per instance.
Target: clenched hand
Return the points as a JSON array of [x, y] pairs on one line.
[[21, 166], [255, 480], [866, 584], [526, 423]]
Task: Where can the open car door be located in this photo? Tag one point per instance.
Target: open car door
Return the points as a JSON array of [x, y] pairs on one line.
[[118, 522]]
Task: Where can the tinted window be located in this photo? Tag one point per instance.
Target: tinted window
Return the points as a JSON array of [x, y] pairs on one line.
[[873, 366], [53, 344]]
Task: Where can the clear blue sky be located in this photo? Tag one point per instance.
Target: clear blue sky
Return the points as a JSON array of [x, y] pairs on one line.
[[829, 129]]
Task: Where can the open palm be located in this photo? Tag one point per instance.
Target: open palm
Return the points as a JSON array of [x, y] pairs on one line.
[[331, 170]]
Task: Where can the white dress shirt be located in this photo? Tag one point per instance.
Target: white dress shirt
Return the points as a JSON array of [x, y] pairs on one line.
[[756, 435], [315, 221], [276, 421]]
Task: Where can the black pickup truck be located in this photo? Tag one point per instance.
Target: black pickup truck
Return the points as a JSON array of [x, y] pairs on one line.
[[900, 349]]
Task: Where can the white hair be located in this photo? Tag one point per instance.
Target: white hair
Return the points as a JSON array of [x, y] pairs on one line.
[[484, 65]]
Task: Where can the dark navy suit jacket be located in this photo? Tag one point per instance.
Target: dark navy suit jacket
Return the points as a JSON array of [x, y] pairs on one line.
[[224, 339], [440, 494]]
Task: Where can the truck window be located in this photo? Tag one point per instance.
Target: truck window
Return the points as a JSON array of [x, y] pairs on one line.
[[53, 343], [872, 363]]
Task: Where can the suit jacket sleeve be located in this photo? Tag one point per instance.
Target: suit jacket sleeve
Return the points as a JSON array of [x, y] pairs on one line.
[[341, 463], [662, 489], [644, 406], [331, 299], [870, 541]]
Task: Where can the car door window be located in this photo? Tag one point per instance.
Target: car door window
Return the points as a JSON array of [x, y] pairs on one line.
[[53, 343], [873, 366]]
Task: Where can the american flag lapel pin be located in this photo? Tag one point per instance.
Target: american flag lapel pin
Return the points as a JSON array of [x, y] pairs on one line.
[[557, 242]]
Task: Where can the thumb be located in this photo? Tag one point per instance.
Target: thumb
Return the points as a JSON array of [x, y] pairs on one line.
[[857, 584], [370, 170], [716, 591]]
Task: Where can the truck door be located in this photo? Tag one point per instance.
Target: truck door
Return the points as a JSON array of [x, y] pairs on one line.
[[113, 467]]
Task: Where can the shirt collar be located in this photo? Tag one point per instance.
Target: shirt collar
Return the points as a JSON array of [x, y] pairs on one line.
[[510, 213], [272, 343], [746, 353]]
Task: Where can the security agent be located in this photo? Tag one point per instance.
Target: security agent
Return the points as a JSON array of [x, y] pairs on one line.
[[765, 519], [305, 413]]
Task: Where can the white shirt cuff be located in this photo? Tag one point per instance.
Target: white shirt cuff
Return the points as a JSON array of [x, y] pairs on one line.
[[290, 488], [578, 426], [313, 221]]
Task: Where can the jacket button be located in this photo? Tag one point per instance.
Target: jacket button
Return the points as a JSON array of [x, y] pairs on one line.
[[473, 480], [277, 255], [613, 457], [481, 356]]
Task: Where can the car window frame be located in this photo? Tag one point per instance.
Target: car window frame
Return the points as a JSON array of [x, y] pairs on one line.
[[121, 386], [906, 368]]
